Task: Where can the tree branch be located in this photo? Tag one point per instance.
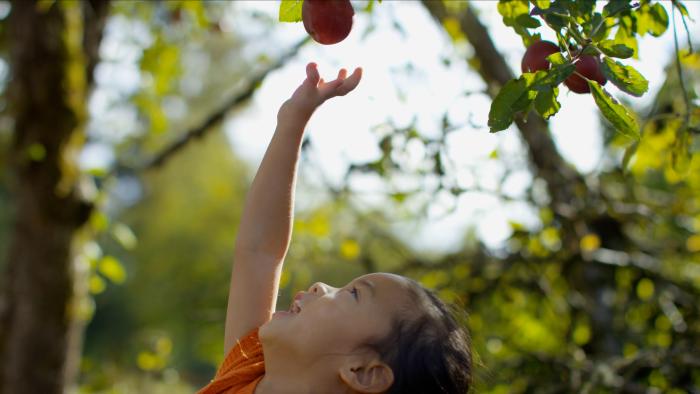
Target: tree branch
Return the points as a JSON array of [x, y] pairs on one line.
[[563, 181], [214, 118]]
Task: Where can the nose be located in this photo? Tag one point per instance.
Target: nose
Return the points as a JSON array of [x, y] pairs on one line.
[[319, 288]]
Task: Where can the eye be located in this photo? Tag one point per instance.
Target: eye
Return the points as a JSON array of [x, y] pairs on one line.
[[354, 292]]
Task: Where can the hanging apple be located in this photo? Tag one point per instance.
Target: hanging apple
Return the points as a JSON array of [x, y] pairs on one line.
[[327, 21], [535, 58], [589, 67]]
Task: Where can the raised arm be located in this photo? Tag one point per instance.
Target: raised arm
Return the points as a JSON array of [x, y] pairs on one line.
[[266, 225]]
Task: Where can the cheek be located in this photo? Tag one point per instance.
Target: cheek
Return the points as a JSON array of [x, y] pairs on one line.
[[325, 323], [323, 315]]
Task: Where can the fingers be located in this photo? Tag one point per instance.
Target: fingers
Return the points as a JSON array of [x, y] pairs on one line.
[[340, 86], [312, 73], [332, 85], [351, 83], [342, 73]]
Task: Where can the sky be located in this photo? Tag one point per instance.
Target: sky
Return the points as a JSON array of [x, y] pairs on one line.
[[341, 129], [405, 75]]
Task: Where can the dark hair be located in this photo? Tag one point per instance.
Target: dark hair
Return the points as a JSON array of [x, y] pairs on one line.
[[428, 351]]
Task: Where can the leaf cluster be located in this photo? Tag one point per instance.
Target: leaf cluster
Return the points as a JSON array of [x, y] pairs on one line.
[[581, 28]]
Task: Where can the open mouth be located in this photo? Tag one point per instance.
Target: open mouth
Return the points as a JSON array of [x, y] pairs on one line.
[[295, 308]]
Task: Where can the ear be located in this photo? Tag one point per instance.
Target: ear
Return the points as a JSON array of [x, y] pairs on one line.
[[367, 377]]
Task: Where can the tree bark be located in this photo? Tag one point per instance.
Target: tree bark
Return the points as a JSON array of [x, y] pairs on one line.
[[547, 164], [569, 194], [48, 105]]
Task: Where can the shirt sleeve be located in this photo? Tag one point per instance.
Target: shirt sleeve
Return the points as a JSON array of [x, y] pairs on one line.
[[246, 353], [242, 368]]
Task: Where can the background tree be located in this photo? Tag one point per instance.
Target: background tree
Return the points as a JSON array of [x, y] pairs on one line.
[[599, 296], [38, 330]]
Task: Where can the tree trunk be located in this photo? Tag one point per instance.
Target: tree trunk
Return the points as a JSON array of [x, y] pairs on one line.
[[51, 62], [568, 191]]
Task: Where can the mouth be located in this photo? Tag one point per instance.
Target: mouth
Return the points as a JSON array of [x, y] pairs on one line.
[[281, 313], [295, 308]]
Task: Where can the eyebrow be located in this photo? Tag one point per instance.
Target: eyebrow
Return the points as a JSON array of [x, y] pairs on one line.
[[368, 284]]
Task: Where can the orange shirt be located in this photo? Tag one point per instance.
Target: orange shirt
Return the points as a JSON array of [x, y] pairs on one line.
[[241, 370]]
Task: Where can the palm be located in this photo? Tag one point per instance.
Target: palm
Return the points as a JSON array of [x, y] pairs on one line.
[[314, 90]]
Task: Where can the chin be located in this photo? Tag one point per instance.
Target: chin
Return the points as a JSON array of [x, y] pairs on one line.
[[265, 330], [273, 330]]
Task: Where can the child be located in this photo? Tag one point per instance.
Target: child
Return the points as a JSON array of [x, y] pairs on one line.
[[381, 333]]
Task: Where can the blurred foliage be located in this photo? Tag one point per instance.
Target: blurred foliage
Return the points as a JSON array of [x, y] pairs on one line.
[[185, 229], [161, 258]]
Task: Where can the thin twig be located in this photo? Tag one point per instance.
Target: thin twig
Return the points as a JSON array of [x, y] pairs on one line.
[[687, 33], [213, 119], [679, 69]]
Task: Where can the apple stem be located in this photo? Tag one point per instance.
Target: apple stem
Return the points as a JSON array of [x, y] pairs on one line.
[[581, 75], [595, 30], [562, 42], [576, 35]]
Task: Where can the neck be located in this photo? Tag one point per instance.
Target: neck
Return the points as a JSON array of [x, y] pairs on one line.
[[291, 374]]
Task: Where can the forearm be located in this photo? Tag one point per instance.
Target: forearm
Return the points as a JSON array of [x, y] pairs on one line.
[[266, 224]]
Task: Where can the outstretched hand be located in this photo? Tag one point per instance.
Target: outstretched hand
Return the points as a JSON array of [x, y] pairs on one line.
[[314, 91]]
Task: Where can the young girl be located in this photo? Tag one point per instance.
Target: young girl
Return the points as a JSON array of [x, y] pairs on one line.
[[381, 333]]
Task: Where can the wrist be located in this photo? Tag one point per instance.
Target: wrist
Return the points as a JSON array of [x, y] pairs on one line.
[[291, 112]]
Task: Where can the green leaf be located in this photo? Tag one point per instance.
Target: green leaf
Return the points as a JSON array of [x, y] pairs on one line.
[[682, 9], [557, 59], [524, 101], [590, 51], [651, 19], [519, 94], [582, 8], [626, 78], [680, 154], [123, 234], [43, 6], [516, 14], [502, 107], [596, 22], [542, 4], [99, 221], [196, 9], [555, 7], [615, 49], [528, 21], [603, 30], [112, 269], [162, 61], [616, 6], [629, 152], [627, 39], [556, 21], [551, 78], [36, 152], [453, 29], [290, 10], [97, 172], [546, 103], [510, 10], [529, 40], [614, 112], [399, 196]]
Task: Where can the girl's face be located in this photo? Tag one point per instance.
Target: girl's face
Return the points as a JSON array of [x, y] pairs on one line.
[[329, 321]]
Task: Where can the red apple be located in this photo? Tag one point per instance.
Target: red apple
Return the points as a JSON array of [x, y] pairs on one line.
[[589, 67], [535, 58], [327, 21]]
